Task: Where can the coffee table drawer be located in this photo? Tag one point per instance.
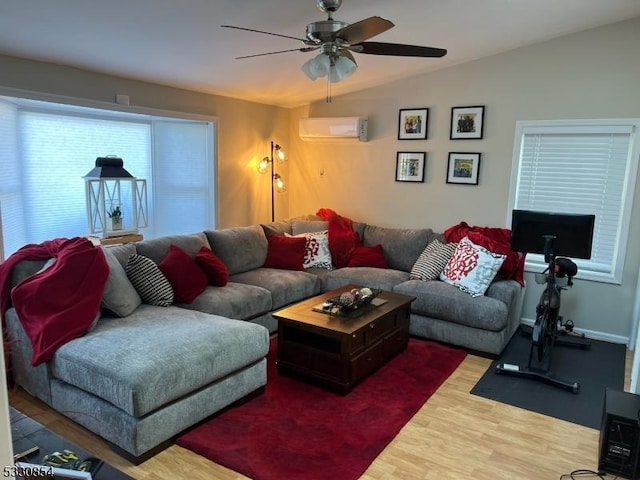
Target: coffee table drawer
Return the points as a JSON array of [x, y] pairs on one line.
[[310, 361], [394, 343], [379, 328], [365, 363], [356, 341]]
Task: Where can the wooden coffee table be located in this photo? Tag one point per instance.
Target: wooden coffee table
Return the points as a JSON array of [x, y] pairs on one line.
[[337, 350]]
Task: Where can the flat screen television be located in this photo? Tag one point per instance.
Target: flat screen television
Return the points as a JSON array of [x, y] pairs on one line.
[[571, 235]]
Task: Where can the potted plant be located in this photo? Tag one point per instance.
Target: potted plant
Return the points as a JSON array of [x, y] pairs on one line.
[[115, 217]]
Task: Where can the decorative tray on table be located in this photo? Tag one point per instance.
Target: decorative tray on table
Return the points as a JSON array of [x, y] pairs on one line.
[[354, 299]]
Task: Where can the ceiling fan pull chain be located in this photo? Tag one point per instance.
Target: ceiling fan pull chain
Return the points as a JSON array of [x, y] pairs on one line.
[[329, 88]]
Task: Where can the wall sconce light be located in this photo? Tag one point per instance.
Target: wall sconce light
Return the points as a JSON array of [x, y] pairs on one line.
[[116, 200], [277, 183]]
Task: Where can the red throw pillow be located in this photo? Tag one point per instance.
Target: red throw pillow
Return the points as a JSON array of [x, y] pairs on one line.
[[186, 278], [367, 257], [286, 253], [210, 263]]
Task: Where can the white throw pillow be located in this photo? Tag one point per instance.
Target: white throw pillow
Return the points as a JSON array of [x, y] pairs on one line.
[[316, 252], [472, 268]]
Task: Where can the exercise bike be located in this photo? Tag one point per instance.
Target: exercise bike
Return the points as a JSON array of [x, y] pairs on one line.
[[548, 329]]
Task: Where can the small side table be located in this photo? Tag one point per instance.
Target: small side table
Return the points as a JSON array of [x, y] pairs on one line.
[[119, 240]]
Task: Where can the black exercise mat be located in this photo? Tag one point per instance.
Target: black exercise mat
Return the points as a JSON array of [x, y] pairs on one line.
[[595, 369]]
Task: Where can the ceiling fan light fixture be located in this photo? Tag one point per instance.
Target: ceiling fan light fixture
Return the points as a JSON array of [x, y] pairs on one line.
[[317, 67], [342, 68]]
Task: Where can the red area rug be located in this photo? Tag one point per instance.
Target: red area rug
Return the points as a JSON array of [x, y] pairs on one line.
[[295, 430]]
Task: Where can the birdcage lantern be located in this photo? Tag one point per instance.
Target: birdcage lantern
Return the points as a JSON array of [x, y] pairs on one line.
[[116, 200]]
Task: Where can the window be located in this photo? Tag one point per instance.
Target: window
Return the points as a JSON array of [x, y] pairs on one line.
[[584, 167], [47, 148]]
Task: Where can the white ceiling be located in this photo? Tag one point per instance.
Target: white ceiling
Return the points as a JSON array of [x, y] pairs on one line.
[[180, 42]]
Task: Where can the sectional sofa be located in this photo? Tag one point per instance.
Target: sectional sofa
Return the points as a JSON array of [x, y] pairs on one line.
[[143, 373]]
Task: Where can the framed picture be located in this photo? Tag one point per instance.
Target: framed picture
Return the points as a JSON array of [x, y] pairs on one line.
[[467, 123], [413, 124], [410, 166], [463, 168]]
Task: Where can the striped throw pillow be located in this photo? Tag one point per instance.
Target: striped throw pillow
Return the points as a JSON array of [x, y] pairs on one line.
[[432, 261], [150, 283]]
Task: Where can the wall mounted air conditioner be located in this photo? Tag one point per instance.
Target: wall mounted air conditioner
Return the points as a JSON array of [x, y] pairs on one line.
[[324, 128]]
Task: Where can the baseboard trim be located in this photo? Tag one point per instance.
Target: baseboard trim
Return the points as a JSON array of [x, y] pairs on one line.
[[593, 334]]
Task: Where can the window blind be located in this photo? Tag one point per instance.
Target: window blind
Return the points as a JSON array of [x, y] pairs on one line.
[[57, 151], [46, 149], [11, 205], [184, 165], [583, 170]]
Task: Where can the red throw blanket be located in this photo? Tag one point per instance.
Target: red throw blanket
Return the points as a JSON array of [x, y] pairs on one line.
[[497, 240], [60, 303], [342, 238]]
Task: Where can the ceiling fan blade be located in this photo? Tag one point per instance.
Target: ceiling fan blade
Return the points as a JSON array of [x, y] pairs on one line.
[[364, 29], [304, 49], [397, 49], [304, 40]]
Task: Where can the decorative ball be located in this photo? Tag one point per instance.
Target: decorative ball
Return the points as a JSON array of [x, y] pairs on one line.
[[347, 298], [365, 292]]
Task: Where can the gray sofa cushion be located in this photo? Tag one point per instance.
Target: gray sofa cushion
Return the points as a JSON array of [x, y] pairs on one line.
[[157, 248], [25, 269], [370, 277], [359, 227], [440, 300], [234, 300], [119, 296], [401, 247], [308, 226], [280, 227], [286, 286], [123, 363], [122, 252], [240, 248]]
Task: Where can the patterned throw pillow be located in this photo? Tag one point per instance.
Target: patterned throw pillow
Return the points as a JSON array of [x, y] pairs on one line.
[[150, 283], [472, 268], [316, 252], [432, 261]]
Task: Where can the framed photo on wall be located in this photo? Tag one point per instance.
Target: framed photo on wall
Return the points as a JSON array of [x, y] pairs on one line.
[[463, 168], [467, 123], [410, 166], [413, 124]]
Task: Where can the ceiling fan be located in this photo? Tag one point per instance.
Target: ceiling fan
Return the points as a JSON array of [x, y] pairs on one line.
[[336, 40]]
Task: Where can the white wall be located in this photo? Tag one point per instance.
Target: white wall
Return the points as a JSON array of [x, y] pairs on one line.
[[592, 74]]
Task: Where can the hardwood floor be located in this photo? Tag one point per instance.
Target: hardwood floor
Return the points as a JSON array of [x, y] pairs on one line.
[[454, 436]]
